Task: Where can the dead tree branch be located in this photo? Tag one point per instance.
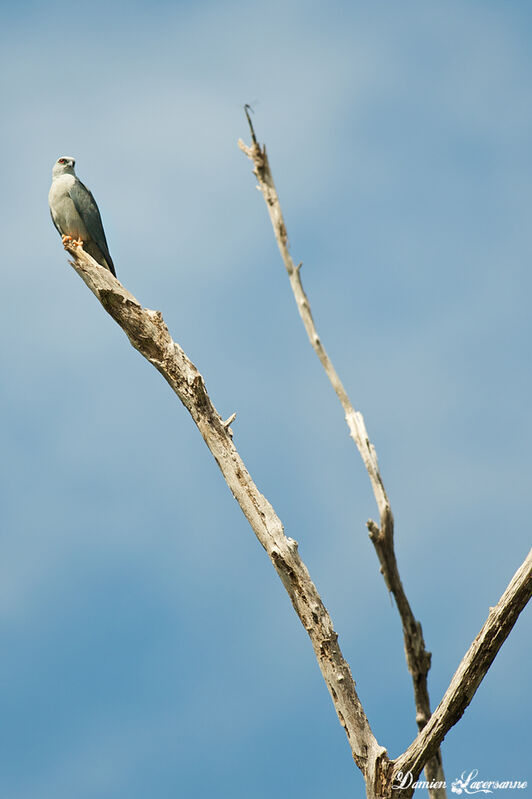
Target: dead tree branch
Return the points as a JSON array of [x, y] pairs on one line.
[[417, 658], [149, 335], [471, 670]]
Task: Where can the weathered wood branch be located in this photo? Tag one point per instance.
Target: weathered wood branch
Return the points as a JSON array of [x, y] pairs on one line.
[[471, 671], [382, 535], [149, 335]]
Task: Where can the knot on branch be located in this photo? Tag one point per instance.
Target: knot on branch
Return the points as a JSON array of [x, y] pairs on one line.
[[374, 531], [227, 425]]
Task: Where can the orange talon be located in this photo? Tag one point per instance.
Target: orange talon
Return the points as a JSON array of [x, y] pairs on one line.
[[66, 239], [77, 243]]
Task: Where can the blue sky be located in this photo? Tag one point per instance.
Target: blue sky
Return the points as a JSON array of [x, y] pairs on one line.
[[148, 647]]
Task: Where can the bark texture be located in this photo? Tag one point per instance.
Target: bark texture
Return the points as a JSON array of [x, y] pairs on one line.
[[471, 670], [382, 535], [149, 335]]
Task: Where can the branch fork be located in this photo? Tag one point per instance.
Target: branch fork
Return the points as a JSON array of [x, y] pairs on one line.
[[149, 335]]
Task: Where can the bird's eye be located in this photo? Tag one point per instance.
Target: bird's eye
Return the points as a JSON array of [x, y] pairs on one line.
[[62, 161]]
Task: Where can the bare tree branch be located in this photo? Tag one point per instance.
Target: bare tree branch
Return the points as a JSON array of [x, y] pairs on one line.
[[417, 657], [471, 670], [149, 335]]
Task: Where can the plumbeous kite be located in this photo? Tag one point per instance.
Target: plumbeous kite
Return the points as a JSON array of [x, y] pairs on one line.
[[75, 213]]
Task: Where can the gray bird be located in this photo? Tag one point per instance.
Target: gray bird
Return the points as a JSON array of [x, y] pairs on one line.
[[75, 213]]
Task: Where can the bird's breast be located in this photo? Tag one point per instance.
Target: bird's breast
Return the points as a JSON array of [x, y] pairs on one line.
[[64, 211]]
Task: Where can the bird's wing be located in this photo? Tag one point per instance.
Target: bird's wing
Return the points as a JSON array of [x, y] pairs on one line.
[[88, 211], [55, 223]]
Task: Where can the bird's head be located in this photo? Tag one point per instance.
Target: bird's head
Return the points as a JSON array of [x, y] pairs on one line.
[[64, 166]]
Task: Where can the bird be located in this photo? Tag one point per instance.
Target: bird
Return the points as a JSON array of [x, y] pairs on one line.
[[75, 213]]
